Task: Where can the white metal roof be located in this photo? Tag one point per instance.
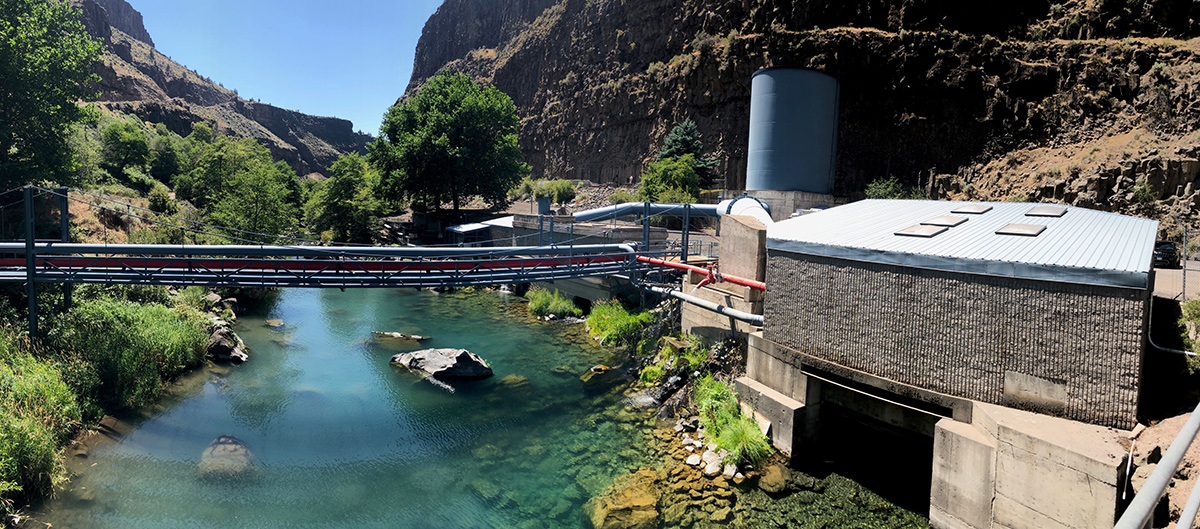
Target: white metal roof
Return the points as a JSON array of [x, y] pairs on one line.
[[501, 222], [1082, 246], [467, 228]]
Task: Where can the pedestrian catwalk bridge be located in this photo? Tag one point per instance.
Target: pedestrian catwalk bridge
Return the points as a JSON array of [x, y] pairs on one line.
[[257, 263], [304, 264]]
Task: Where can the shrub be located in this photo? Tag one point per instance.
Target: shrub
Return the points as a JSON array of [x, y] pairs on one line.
[[695, 353], [1143, 193], [715, 402], [612, 324], [662, 175], [134, 293], [161, 201], [543, 302], [622, 196], [891, 188], [722, 419], [120, 352], [651, 374], [558, 191]]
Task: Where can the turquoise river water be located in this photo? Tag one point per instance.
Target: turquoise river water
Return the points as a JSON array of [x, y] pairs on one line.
[[343, 439]]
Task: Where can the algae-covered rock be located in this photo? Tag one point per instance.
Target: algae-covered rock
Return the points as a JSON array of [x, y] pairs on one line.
[[629, 504], [774, 479]]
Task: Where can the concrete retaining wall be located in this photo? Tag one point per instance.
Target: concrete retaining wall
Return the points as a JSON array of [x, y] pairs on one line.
[[1058, 348]]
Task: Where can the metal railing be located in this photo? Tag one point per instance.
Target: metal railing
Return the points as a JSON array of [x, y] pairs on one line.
[[1141, 510]]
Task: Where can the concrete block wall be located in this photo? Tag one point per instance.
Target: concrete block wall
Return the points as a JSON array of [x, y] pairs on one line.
[[1065, 349], [743, 247]]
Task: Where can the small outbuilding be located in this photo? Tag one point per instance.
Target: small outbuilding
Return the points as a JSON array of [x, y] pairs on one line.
[[1034, 306]]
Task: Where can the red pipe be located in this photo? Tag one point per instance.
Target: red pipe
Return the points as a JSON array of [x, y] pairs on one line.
[[756, 285]]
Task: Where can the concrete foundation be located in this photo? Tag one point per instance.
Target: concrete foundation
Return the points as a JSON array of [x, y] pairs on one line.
[[784, 203], [992, 466], [1016, 469]]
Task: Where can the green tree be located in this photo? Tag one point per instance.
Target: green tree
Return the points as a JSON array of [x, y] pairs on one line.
[[685, 139], [255, 201], [125, 145], [217, 163], [46, 61], [166, 160], [677, 174], [455, 138], [345, 204]]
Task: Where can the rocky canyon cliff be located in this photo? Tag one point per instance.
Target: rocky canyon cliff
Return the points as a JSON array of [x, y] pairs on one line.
[[1089, 102], [136, 78]]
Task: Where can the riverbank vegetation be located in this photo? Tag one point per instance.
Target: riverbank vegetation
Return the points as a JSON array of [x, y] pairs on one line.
[[612, 324], [544, 303], [724, 422], [114, 350]]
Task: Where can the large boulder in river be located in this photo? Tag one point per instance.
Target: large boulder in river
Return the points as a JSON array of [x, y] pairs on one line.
[[226, 456], [225, 345], [445, 363]]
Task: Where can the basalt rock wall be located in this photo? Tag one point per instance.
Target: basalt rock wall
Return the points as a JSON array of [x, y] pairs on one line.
[[962, 102]]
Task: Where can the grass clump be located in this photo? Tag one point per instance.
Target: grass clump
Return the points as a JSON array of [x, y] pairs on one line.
[[744, 441], [543, 303], [722, 419], [117, 354], [651, 374], [612, 324]]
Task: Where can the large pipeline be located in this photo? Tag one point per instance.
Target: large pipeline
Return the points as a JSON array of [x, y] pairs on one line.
[[743, 205], [752, 319], [756, 285]]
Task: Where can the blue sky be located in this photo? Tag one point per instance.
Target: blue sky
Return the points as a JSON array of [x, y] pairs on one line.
[[350, 59]]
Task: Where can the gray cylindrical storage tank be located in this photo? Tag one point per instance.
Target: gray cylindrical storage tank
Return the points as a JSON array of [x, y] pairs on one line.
[[793, 131]]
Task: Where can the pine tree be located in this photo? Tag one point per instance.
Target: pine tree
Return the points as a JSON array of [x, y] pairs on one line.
[[685, 139]]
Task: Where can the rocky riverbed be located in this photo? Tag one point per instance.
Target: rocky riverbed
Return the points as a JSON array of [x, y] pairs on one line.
[[669, 492]]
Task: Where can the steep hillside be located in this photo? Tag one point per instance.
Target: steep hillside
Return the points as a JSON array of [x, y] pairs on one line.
[[135, 78], [1091, 102]]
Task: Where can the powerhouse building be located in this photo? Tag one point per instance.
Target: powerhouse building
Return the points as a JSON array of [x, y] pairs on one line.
[[1040, 307]]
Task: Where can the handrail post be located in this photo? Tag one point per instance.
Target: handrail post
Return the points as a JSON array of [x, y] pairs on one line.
[[646, 227], [30, 263], [64, 209], [687, 211]]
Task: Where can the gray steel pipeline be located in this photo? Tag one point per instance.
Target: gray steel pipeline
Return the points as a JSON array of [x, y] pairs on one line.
[[639, 208], [752, 319], [743, 205], [57, 248]]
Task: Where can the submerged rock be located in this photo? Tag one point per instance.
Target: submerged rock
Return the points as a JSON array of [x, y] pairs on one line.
[[629, 505], [445, 363], [226, 456]]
